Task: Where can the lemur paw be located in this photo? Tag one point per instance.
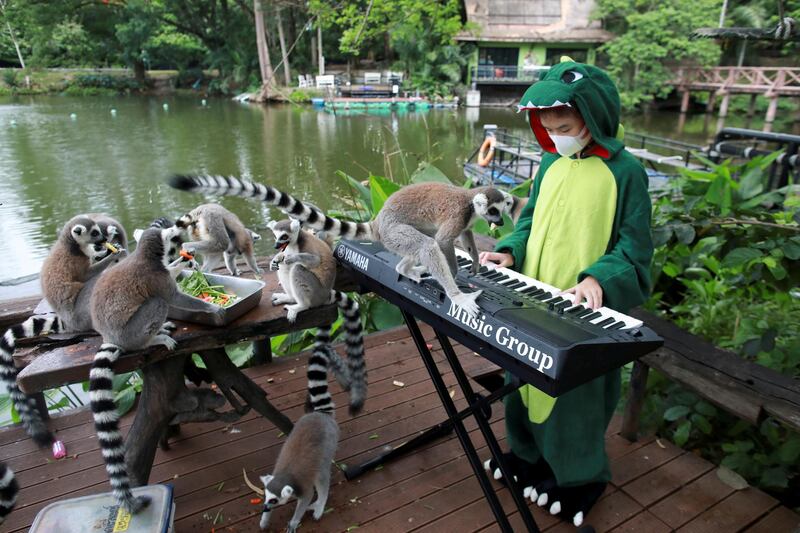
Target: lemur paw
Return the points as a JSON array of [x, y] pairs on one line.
[[280, 298], [168, 326], [291, 314], [466, 301], [164, 340], [318, 510], [275, 264]]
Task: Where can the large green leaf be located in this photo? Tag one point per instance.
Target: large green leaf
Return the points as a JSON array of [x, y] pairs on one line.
[[740, 256], [124, 400], [427, 172], [363, 193], [751, 183], [385, 315], [240, 354], [675, 412], [720, 194], [381, 189]]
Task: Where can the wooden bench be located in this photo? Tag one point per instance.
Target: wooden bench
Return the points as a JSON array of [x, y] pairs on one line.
[[62, 359]]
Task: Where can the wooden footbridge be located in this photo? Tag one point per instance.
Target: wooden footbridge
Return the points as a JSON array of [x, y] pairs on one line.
[[770, 82]]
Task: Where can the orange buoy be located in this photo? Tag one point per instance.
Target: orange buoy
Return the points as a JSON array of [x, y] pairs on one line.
[[486, 152]]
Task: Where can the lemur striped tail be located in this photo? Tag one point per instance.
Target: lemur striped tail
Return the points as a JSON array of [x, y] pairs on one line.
[[354, 343], [319, 397], [106, 424], [309, 215], [25, 405], [8, 491]]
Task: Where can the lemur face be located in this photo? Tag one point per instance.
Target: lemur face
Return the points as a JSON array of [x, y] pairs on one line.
[[172, 239], [272, 499], [285, 232], [99, 251], [492, 205], [86, 232]]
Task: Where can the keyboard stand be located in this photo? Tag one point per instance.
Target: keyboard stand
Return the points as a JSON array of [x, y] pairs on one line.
[[478, 407]]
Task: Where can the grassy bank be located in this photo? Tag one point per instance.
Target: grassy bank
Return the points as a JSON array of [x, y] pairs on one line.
[[90, 82]]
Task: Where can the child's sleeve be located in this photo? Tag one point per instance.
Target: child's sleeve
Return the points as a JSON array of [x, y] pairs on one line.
[[624, 271]]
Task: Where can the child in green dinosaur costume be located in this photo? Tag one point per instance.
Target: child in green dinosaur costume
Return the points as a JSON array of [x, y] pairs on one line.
[[586, 228]]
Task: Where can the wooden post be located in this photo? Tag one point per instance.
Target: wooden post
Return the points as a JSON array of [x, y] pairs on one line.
[[633, 408], [712, 99], [313, 51], [771, 110], [685, 101], [262, 352], [723, 107], [751, 108]]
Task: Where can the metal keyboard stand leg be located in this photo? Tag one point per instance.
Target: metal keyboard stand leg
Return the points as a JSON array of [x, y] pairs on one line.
[[455, 419], [483, 425]]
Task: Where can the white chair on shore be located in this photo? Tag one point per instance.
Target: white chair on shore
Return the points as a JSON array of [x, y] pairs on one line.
[[301, 80], [372, 78]]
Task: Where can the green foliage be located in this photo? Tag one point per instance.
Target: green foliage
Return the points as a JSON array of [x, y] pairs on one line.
[[651, 36], [10, 78], [725, 268], [106, 81], [420, 32]]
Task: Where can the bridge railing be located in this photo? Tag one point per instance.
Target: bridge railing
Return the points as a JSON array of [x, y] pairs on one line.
[[777, 80]]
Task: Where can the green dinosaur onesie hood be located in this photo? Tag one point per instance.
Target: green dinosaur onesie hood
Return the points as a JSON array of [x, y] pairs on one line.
[[590, 89]]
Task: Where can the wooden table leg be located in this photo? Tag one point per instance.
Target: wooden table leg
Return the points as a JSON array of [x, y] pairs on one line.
[[633, 408], [262, 352], [228, 377], [162, 382]]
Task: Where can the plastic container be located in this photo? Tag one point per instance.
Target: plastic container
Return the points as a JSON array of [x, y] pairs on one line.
[[100, 513]]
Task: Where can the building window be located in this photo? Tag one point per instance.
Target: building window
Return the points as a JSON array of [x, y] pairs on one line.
[[554, 55], [498, 56]]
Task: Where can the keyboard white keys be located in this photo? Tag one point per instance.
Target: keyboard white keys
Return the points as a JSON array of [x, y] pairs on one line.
[[604, 312]]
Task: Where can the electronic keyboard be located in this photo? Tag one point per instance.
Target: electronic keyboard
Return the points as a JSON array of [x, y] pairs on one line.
[[525, 326]]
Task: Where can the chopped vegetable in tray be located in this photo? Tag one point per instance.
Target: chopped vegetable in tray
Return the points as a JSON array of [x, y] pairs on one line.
[[197, 285]]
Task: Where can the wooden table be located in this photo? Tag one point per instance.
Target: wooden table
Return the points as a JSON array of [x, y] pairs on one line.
[[60, 359]]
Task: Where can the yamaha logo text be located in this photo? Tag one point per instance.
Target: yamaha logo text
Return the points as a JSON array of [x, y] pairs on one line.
[[354, 258], [503, 337]]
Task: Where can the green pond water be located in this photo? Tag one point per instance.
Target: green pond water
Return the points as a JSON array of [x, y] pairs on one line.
[[60, 156]]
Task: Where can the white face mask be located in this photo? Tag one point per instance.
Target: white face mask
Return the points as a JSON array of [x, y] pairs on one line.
[[567, 145]]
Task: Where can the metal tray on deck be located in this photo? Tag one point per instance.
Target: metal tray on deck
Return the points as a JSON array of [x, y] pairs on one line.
[[247, 290]]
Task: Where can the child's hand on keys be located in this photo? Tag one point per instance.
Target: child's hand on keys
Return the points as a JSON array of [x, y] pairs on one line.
[[589, 289], [496, 259]]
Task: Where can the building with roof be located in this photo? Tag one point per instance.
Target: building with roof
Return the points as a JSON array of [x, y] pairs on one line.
[[516, 38]]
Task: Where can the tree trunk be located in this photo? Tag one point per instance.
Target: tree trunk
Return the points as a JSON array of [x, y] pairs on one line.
[[284, 55], [313, 51], [139, 72], [267, 81], [320, 57]]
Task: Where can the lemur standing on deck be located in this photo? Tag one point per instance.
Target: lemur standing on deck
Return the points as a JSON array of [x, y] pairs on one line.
[[307, 270], [129, 309], [420, 222]]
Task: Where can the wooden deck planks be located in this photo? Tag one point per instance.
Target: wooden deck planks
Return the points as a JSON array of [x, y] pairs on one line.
[[656, 486]]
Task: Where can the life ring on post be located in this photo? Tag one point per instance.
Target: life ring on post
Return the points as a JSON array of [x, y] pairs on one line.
[[486, 152]]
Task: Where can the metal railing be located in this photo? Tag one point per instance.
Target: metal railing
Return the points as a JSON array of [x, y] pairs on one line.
[[505, 73]]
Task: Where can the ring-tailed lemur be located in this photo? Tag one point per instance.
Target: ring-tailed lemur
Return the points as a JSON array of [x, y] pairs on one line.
[[67, 280], [303, 466], [129, 309], [8, 491], [307, 270], [218, 235], [420, 222], [114, 235]]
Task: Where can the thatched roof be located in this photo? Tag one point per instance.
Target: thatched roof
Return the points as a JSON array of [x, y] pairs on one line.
[[786, 30]]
